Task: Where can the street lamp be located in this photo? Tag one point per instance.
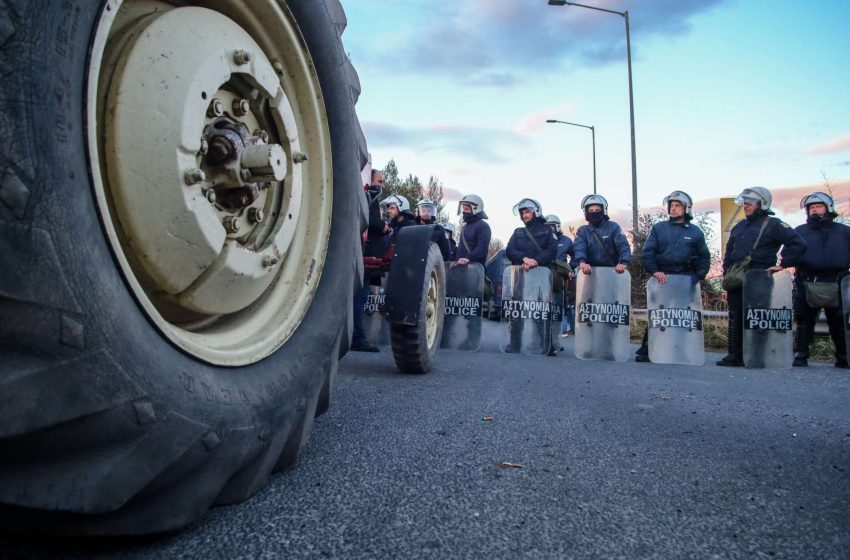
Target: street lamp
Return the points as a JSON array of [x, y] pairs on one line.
[[593, 137], [625, 15]]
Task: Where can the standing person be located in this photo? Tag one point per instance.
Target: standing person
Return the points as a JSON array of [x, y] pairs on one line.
[[397, 210], [674, 247], [563, 254], [426, 214], [475, 233], [450, 236], [822, 266], [374, 245], [601, 242], [530, 246], [759, 236]]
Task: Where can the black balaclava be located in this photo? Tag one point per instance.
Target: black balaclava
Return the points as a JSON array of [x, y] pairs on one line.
[[594, 218], [817, 221], [468, 217]]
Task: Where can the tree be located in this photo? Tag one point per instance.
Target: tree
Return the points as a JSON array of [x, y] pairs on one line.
[[434, 192], [412, 189]]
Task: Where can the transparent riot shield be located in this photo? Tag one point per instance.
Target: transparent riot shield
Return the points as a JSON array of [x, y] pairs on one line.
[[463, 309], [557, 317], [674, 320], [768, 340], [377, 328], [526, 311], [603, 307]]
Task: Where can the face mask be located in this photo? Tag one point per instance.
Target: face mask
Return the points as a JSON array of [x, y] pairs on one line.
[[467, 216], [816, 219], [594, 217]]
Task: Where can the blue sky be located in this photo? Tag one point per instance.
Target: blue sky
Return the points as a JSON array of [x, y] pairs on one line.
[[728, 94]]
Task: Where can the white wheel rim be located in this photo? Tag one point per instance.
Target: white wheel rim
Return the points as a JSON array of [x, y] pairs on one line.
[[228, 281]]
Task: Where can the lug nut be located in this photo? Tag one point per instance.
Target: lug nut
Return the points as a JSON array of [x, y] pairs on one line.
[[193, 176], [241, 107], [269, 260], [205, 146], [245, 174], [299, 157], [210, 194], [231, 224], [262, 135], [241, 57], [256, 215], [216, 108]]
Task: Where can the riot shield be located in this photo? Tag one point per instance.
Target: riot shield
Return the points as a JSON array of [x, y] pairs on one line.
[[845, 302], [603, 307], [526, 311], [463, 309], [557, 317], [768, 340], [674, 320], [377, 328]]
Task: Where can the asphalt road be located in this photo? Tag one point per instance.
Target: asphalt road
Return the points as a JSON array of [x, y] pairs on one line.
[[612, 460]]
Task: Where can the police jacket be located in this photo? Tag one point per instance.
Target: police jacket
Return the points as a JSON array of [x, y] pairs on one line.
[[474, 240], [563, 247], [614, 250], [438, 236], [541, 249], [827, 254], [402, 222], [452, 249], [776, 234], [377, 241], [676, 248]]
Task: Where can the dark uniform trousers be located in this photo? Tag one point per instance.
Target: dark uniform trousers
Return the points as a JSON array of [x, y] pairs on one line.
[[807, 316]]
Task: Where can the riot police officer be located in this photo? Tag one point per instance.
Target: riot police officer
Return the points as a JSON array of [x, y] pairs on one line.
[[533, 244], [475, 233], [742, 242], [563, 254], [674, 247], [819, 273], [397, 210], [426, 214], [601, 242], [450, 236]]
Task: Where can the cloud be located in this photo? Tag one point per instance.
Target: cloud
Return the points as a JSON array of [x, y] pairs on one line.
[[537, 120], [835, 145], [475, 143], [498, 42]]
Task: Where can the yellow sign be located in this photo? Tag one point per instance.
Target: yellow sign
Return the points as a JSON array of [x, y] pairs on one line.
[[730, 214]]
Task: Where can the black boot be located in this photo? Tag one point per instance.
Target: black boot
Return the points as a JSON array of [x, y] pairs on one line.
[[735, 343], [800, 360]]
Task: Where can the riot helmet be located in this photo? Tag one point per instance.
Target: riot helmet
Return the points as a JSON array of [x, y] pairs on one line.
[[819, 198], [475, 202], [428, 207], [758, 195], [595, 199], [449, 227], [399, 202], [529, 204], [682, 197], [552, 219]]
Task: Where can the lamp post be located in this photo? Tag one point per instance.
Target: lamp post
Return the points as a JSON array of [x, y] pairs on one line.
[[625, 16], [593, 137]]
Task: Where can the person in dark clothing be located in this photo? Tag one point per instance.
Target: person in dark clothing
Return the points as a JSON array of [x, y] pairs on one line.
[[450, 236], [756, 203], [475, 233], [533, 244], [374, 245], [530, 246], [826, 261], [674, 247], [426, 214], [563, 255], [397, 210], [601, 242]]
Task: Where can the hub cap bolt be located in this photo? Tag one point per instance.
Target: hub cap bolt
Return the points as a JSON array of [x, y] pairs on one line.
[[205, 146], [231, 224], [193, 176], [241, 57], [269, 261], [211, 196], [216, 108], [263, 136], [256, 215], [240, 107], [299, 157]]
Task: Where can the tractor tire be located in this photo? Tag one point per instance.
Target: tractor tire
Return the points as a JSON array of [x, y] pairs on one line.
[[145, 377], [414, 346]]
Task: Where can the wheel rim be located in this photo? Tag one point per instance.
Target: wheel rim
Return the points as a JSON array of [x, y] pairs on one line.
[[431, 311], [211, 161]]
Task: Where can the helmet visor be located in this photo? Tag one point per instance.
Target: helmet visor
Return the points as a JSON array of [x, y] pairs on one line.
[[427, 210]]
